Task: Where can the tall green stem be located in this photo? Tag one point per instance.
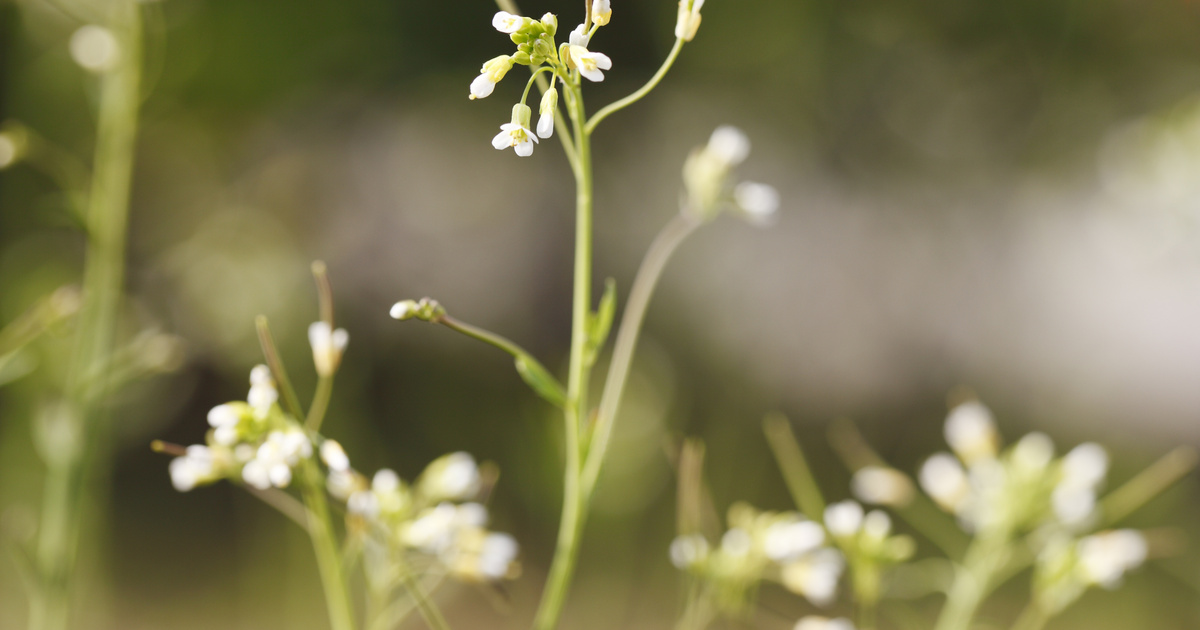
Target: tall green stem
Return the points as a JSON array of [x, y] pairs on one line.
[[72, 444], [973, 580], [329, 560], [574, 511]]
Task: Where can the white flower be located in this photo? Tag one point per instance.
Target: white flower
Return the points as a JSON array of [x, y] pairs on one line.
[[688, 19], [971, 432], [95, 48], [490, 74], [601, 12], [876, 525], [327, 346], [508, 23], [814, 622], [192, 468], [225, 419], [472, 515], [589, 63], [1105, 557], [844, 518], [403, 310], [1073, 506], [689, 550], [815, 575], [728, 145], [789, 539], [364, 503], [334, 456], [760, 202], [1085, 466], [1033, 452], [736, 543], [272, 463], [453, 477], [342, 484], [549, 105], [579, 36], [516, 134], [496, 555], [943, 478], [262, 391], [881, 486], [433, 530]]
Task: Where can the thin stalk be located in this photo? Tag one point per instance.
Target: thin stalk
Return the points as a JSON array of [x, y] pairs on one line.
[[1148, 484], [66, 483], [271, 352], [574, 510], [973, 580], [429, 612], [801, 482], [617, 106], [320, 403], [660, 252], [329, 561]]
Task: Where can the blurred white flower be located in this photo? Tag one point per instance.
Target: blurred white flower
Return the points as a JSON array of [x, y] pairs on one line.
[[943, 478], [760, 202], [1086, 465], [844, 518], [490, 74], [1105, 557], [262, 391], [273, 462], [546, 111], [334, 456], [789, 539], [193, 468], [1034, 452], [688, 19], [508, 23], [688, 550], [327, 346], [601, 12], [454, 477], [225, 420], [876, 525], [95, 48], [728, 145], [497, 555], [815, 575], [880, 485], [971, 432], [363, 503], [736, 543]]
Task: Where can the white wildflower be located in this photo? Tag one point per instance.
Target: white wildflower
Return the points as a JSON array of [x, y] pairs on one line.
[[327, 346], [971, 432], [516, 134], [789, 539], [688, 550], [688, 20], [589, 63], [879, 485], [225, 420], [196, 466], [876, 525], [508, 23], [1085, 466], [815, 575], [95, 48], [334, 456], [760, 202], [736, 543], [1033, 452], [490, 74], [601, 12], [1105, 557], [844, 519], [405, 309], [433, 531], [363, 503], [549, 105], [454, 477], [262, 391], [728, 145], [943, 478], [496, 555]]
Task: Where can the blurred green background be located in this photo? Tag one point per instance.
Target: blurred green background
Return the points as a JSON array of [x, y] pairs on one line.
[[1002, 195]]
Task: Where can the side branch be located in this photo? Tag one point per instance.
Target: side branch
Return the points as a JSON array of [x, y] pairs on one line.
[[617, 106]]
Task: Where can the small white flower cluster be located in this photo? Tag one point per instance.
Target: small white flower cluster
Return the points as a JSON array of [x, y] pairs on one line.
[[328, 345], [251, 440], [1019, 488], [707, 180], [434, 517], [866, 538], [762, 545], [1067, 567], [536, 48]]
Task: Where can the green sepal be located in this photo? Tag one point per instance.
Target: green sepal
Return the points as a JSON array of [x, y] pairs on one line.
[[599, 324], [542, 382], [522, 58]]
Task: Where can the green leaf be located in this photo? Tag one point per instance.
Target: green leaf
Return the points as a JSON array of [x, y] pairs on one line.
[[599, 324], [540, 380]]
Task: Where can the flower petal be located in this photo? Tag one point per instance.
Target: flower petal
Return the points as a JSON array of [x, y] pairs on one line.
[[502, 141]]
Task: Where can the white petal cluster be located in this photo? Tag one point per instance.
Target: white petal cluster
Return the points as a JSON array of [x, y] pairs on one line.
[[1083, 472], [262, 395], [943, 478], [843, 519], [688, 550], [452, 477], [792, 537], [587, 62], [327, 346], [276, 457], [815, 575], [707, 180], [688, 19], [198, 465], [971, 432], [1104, 558], [879, 485]]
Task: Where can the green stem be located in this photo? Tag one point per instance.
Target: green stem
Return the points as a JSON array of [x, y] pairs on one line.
[[329, 561], [429, 612], [973, 580], [796, 474], [290, 402], [574, 511], [320, 403], [664, 245], [617, 106], [1148, 484], [66, 483]]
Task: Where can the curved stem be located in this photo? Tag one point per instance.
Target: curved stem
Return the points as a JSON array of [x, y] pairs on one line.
[[427, 609], [617, 106], [648, 274], [530, 369], [973, 580], [574, 511], [67, 486], [320, 403]]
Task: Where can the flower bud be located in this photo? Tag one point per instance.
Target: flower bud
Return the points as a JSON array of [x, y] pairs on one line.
[[688, 20], [601, 12], [550, 22], [95, 49], [521, 115]]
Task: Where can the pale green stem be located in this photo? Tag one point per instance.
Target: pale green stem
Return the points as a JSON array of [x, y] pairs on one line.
[[1148, 484], [329, 561], [574, 501], [429, 612], [617, 106], [801, 482], [973, 580], [660, 251], [320, 403], [66, 483]]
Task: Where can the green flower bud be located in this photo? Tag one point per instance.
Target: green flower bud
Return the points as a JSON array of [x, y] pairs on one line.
[[550, 21], [522, 58], [521, 114]]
